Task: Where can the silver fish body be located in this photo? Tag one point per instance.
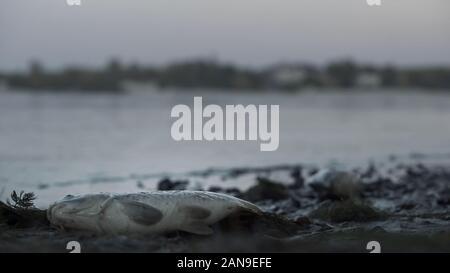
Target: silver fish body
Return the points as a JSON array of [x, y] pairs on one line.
[[146, 212]]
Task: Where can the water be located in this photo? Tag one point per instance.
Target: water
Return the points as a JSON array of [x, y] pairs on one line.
[[55, 144]]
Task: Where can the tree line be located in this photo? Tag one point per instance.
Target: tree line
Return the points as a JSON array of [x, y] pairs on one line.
[[212, 74]]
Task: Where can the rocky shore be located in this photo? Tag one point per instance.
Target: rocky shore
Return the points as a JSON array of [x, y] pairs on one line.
[[405, 207]]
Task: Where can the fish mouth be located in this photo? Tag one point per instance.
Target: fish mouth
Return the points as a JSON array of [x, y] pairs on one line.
[[59, 218], [57, 211]]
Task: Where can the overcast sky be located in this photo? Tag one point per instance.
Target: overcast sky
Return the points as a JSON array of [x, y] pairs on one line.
[[248, 32]]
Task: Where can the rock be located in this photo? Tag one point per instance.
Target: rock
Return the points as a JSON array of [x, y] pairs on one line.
[[444, 197], [336, 185], [266, 189], [346, 211], [313, 171], [381, 184], [231, 191], [296, 175], [416, 171], [369, 172], [234, 173], [302, 220], [167, 185], [215, 189], [407, 205]]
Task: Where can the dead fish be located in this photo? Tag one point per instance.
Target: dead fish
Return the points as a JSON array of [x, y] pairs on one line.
[[146, 212]]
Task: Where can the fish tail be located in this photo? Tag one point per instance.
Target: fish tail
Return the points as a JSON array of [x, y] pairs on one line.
[[250, 206]]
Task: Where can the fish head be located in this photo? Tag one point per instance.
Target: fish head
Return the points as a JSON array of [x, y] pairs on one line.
[[77, 212]]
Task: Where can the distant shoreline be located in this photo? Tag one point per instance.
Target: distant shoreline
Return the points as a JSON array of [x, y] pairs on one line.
[[211, 74]]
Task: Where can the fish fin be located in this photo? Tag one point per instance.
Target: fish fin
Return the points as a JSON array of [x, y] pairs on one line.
[[197, 227], [105, 205], [140, 213], [196, 212]]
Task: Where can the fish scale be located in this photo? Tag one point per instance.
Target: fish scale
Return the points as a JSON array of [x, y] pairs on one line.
[[146, 212]]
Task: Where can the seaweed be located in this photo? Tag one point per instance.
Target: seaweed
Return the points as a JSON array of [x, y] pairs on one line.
[[23, 200]]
